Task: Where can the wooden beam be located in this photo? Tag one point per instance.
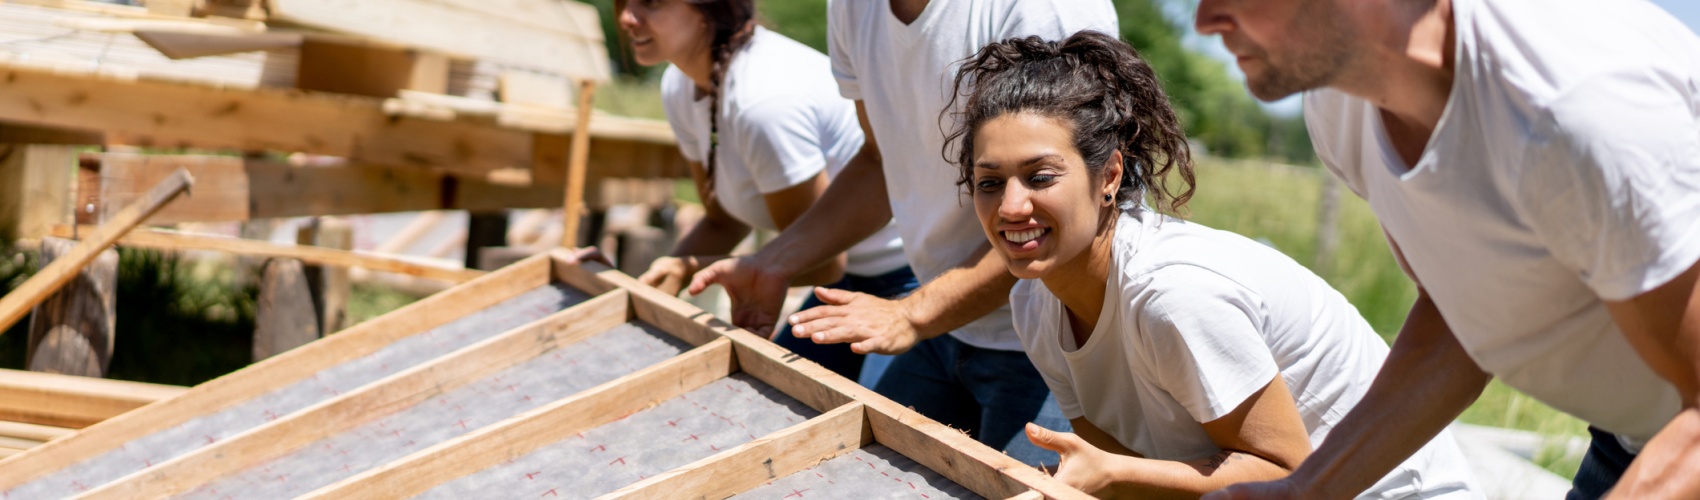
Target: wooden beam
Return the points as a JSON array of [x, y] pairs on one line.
[[522, 434], [401, 390], [33, 432], [278, 371], [26, 134], [71, 401], [221, 186], [169, 240], [751, 464], [230, 188], [463, 29], [573, 211], [957, 456], [16, 304], [35, 188], [167, 114]]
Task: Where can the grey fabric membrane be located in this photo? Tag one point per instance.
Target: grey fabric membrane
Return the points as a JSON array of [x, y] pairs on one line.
[[870, 472], [195, 433], [696, 425], [550, 376]]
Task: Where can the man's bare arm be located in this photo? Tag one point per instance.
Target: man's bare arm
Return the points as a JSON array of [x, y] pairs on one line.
[[1664, 327]]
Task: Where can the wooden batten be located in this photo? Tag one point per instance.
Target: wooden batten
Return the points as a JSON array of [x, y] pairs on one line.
[[524, 433], [780, 454], [52, 402], [278, 371], [175, 241], [400, 390], [957, 456]]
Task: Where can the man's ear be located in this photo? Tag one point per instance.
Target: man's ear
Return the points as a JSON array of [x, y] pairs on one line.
[[1112, 175]]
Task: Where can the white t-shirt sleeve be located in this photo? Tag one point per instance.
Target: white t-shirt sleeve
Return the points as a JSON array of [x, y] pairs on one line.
[[1201, 336], [1615, 191], [677, 100], [780, 142], [839, 43]]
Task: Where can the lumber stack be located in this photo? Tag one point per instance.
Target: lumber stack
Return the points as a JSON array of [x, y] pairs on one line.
[[541, 379], [295, 104]]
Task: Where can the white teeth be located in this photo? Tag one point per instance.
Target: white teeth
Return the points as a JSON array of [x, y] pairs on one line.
[[1023, 236]]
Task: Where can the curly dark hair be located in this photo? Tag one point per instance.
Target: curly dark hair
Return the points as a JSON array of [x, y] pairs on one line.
[[1092, 81]]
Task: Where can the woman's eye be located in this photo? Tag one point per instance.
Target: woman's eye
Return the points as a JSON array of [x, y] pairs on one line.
[[1041, 179], [987, 185]]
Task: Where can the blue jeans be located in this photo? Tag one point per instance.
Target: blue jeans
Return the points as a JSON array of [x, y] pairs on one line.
[[1601, 467], [990, 393], [838, 357]]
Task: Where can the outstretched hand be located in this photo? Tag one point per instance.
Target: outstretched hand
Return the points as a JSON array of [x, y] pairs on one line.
[[757, 293], [868, 323], [1083, 466]]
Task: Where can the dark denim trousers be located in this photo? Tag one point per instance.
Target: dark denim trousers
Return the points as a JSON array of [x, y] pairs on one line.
[[1601, 467], [838, 357], [992, 394]]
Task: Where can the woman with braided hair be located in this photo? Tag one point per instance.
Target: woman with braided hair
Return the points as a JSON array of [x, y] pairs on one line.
[[757, 116], [1186, 358]]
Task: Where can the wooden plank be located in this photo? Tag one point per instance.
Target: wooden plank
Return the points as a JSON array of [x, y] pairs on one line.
[[771, 457], [369, 70], [35, 188], [17, 304], [330, 284], [276, 372], [184, 44], [166, 114], [26, 134], [221, 186], [238, 189], [959, 457], [519, 87], [573, 209], [466, 30], [284, 316], [72, 401], [18, 443], [1029, 495], [33, 432], [169, 240], [401, 390], [522, 434]]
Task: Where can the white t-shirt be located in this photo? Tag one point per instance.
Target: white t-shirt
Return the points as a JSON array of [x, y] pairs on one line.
[[1564, 170], [780, 125], [903, 74], [1195, 320]]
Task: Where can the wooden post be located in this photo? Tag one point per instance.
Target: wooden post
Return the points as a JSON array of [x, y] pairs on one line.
[[35, 189], [284, 317], [18, 303], [329, 284], [72, 332], [574, 202]]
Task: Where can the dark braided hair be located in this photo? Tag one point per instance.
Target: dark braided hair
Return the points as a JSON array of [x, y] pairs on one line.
[[733, 23], [1092, 81]]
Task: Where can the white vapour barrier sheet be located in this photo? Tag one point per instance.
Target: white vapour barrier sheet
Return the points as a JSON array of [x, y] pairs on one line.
[[870, 472], [204, 430], [696, 425], [552, 375]]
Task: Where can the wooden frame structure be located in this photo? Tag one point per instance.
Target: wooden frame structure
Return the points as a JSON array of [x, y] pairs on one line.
[[850, 417]]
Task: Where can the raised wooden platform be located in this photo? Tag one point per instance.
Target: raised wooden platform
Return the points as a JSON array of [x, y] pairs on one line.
[[596, 384]]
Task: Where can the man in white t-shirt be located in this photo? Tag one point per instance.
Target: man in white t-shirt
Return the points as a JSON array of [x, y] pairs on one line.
[[895, 58], [1536, 167]]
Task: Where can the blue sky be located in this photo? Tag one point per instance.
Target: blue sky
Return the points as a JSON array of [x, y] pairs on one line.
[[1686, 10]]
